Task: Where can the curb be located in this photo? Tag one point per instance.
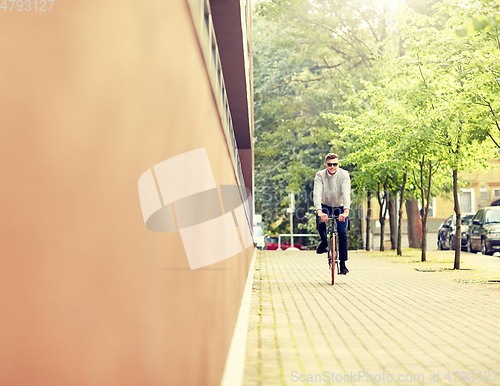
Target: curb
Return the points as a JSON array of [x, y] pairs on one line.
[[235, 363]]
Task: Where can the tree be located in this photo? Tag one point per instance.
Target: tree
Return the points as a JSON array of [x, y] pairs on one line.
[[308, 58], [447, 112], [406, 105]]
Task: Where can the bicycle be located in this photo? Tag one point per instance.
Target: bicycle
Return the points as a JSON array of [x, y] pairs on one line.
[[333, 251]]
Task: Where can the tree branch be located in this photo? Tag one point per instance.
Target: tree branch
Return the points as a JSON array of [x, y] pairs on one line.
[[415, 179], [428, 190], [437, 166], [295, 80], [423, 78], [369, 25], [328, 65], [422, 188], [495, 142]]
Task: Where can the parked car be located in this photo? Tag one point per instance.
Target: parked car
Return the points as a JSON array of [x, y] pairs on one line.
[[447, 231], [484, 231], [466, 219], [272, 244]]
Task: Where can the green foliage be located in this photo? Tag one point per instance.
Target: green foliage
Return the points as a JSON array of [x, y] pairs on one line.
[[305, 63], [383, 87], [486, 19]]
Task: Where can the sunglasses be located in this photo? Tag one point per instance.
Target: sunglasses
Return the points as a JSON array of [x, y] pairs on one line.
[[333, 164]]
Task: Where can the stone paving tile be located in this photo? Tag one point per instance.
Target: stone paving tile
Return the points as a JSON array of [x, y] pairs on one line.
[[382, 324]]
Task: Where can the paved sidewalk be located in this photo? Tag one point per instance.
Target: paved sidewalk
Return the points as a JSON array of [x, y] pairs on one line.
[[382, 324]]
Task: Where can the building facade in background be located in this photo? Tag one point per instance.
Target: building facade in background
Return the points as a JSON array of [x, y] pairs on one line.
[[482, 189]]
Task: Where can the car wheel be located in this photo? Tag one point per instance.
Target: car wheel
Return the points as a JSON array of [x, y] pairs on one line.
[[484, 250], [451, 243], [440, 245], [464, 247]]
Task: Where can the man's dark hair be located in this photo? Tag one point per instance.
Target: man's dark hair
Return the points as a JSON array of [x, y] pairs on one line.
[[331, 156]]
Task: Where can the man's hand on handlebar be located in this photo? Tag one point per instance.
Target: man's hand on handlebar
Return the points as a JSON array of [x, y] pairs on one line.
[[323, 216], [344, 215]]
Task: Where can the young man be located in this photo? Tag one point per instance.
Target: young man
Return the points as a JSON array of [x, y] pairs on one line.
[[332, 195]]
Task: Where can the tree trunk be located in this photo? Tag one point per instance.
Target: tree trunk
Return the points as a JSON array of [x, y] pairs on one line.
[[426, 196], [400, 217], [382, 233], [414, 225], [382, 201], [392, 219], [424, 210], [368, 219], [423, 217], [458, 234], [424, 239]]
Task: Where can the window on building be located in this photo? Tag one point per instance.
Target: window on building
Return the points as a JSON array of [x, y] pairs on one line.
[[467, 201], [432, 208], [206, 16], [484, 195], [496, 194]]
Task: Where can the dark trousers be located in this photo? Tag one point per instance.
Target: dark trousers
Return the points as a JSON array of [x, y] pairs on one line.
[[341, 229]]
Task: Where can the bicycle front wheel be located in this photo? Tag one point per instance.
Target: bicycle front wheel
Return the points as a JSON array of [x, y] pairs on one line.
[[331, 261]]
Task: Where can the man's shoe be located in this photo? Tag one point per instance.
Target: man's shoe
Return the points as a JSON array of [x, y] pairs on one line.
[[322, 248], [343, 268]]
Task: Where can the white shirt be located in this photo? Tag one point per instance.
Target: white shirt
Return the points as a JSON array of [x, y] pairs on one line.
[[333, 190]]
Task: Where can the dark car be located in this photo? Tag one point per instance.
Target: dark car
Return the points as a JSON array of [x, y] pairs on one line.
[[447, 231], [484, 231], [272, 244], [466, 219]]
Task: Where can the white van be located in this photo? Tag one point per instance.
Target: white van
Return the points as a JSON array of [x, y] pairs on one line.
[[259, 237]]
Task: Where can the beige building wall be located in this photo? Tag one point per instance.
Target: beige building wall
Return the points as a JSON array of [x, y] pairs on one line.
[[485, 183], [92, 95], [483, 188], [445, 207]]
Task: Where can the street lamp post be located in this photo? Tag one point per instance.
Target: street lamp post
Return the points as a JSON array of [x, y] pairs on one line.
[[291, 210]]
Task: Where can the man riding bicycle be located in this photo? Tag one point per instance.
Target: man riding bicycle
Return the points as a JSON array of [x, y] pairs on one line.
[[332, 196]]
